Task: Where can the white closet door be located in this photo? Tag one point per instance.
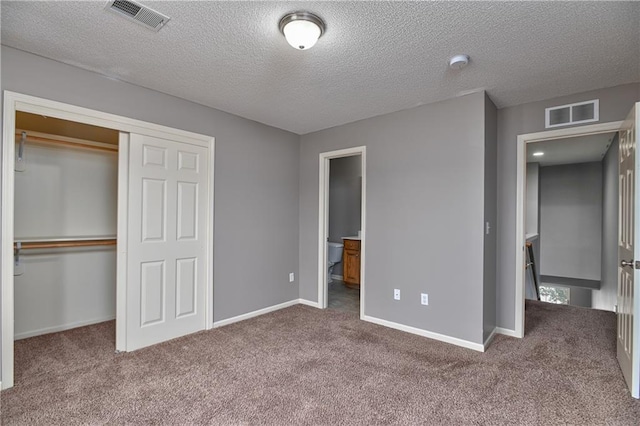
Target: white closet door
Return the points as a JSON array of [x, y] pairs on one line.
[[628, 336], [167, 240]]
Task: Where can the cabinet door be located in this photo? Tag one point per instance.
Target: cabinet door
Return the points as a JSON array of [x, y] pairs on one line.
[[352, 266]]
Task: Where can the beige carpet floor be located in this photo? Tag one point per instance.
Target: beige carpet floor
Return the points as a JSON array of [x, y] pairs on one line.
[[306, 366]]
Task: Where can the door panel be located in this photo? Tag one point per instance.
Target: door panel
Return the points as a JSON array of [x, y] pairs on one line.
[[167, 240], [152, 284], [154, 209], [628, 253]]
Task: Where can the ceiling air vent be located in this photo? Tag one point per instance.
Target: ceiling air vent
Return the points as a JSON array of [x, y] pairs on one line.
[[564, 115], [138, 13]]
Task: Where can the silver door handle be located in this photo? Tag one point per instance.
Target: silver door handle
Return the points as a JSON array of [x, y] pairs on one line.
[[628, 263]]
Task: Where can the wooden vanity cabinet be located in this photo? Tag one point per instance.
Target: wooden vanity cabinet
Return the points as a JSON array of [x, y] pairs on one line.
[[351, 263]]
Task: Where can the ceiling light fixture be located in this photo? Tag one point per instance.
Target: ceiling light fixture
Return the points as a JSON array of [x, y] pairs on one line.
[[458, 62], [538, 154], [302, 29]]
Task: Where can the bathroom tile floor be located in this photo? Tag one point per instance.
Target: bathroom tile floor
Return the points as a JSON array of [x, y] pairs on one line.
[[343, 298]]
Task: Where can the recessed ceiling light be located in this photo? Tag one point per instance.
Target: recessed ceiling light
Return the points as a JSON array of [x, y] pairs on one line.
[[538, 154], [301, 29], [459, 61]]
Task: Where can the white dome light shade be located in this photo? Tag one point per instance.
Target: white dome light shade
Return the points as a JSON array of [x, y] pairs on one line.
[[301, 34], [301, 29]]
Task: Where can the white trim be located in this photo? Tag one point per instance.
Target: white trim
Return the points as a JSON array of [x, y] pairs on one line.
[[14, 102], [210, 237], [424, 333], [596, 114], [122, 226], [489, 339], [63, 327], [256, 313], [309, 303], [520, 193], [6, 250], [506, 332], [323, 220]]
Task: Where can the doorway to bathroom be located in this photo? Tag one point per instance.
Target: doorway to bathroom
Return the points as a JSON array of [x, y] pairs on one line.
[[341, 236]]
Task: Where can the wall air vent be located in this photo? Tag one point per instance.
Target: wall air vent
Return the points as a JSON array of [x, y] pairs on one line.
[[138, 13], [564, 115]]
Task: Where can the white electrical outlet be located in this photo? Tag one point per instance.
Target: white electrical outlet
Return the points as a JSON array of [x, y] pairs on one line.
[[424, 298], [396, 294], [292, 277]]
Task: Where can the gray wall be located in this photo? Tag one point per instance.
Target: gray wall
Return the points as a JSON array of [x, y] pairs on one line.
[[606, 297], [345, 191], [425, 209], [532, 199], [581, 297], [571, 220], [256, 176], [615, 104], [490, 216]]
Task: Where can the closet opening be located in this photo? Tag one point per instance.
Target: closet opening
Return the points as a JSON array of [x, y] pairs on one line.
[[103, 217], [65, 257]]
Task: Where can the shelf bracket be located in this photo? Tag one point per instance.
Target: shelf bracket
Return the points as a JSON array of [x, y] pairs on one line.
[[18, 268], [20, 165]]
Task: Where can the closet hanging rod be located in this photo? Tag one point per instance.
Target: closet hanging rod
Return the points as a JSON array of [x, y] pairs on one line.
[[61, 244], [75, 144]]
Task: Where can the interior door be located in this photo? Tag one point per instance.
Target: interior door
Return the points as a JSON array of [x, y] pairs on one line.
[[629, 255], [167, 240]]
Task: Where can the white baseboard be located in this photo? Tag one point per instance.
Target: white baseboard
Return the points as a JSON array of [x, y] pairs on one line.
[[489, 339], [336, 277], [63, 327], [254, 313], [424, 333], [506, 332], [309, 303]]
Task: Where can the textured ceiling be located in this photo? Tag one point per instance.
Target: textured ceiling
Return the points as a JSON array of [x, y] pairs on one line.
[[583, 149], [375, 58]]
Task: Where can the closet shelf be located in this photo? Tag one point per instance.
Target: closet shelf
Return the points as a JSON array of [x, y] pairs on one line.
[[40, 138]]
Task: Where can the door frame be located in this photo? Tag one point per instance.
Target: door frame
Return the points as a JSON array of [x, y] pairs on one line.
[[323, 221], [17, 102], [521, 171]]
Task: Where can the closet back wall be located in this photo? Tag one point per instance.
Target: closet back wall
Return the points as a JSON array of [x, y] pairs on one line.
[[65, 193]]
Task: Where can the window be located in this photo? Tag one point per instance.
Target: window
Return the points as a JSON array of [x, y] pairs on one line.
[[558, 295]]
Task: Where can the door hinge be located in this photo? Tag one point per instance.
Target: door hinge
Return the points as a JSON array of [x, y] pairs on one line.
[[637, 264]]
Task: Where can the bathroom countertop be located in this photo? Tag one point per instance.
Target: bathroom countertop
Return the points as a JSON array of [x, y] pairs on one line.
[[355, 237]]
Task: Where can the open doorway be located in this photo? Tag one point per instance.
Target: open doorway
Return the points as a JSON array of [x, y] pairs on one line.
[[344, 233], [571, 226], [627, 252], [341, 235]]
